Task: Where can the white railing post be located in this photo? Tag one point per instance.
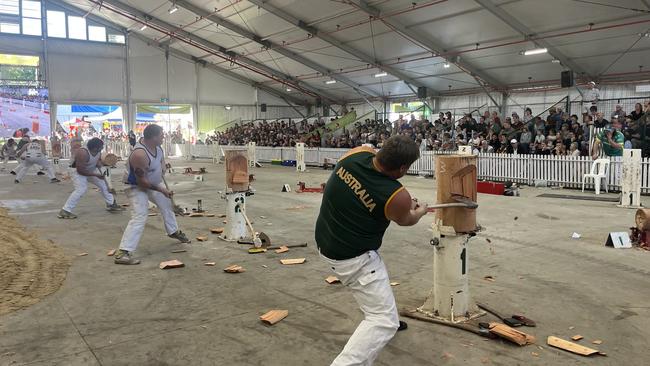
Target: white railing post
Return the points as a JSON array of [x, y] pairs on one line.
[[252, 157], [300, 157]]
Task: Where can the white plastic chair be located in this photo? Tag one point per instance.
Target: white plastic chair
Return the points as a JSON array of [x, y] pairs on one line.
[[598, 172]]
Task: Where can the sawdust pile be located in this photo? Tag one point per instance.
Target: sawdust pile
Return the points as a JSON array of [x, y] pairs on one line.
[[31, 268]]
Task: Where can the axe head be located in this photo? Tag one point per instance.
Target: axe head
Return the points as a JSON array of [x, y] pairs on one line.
[[265, 241], [464, 200]]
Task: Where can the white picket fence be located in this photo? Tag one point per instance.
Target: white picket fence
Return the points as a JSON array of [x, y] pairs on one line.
[[566, 171]]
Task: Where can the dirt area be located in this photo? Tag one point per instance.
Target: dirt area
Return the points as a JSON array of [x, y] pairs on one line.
[[31, 269]]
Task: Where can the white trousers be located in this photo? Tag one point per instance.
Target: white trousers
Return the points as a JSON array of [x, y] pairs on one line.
[[367, 277], [81, 186], [140, 210], [5, 162], [28, 162]]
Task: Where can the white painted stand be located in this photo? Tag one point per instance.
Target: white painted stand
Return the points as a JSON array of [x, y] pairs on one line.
[[252, 158], [236, 228], [300, 157], [631, 179], [449, 299]]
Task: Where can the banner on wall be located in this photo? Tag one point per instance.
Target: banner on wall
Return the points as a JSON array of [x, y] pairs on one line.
[[26, 108]]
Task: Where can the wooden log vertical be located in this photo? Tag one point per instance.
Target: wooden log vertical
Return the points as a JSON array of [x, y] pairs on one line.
[[456, 175], [237, 170]]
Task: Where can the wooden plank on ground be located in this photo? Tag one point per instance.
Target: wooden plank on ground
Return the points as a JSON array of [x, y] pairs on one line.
[[570, 346], [274, 316]]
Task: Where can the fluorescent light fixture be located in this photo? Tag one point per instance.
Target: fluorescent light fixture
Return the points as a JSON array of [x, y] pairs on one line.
[[228, 107], [381, 74], [143, 27], [446, 65], [535, 51], [330, 82], [555, 61], [173, 9], [288, 89]]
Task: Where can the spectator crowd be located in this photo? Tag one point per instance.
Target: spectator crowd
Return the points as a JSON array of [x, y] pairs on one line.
[[556, 132]]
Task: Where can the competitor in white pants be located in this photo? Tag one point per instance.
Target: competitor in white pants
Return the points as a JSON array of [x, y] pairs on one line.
[[360, 200], [34, 155], [87, 163], [145, 171]]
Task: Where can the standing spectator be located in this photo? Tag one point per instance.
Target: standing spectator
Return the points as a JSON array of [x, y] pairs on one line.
[[591, 96], [528, 115], [132, 139]]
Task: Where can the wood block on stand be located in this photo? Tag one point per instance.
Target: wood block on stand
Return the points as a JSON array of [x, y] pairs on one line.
[[237, 170], [456, 175]]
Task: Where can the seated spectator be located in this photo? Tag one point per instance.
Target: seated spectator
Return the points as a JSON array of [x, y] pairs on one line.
[[503, 145], [637, 112], [485, 147], [618, 112], [600, 121], [611, 140], [514, 148], [573, 149]]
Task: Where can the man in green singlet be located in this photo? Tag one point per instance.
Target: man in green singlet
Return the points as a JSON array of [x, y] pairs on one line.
[[360, 200]]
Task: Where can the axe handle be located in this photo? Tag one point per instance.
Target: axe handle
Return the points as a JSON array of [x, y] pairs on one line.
[[489, 310], [288, 246]]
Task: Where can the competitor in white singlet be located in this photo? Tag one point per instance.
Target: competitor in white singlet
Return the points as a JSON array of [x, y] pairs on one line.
[[145, 169], [33, 153], [87, 162], [8, 152]]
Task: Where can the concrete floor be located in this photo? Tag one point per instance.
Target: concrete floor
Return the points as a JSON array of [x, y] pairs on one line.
[[106, 314]]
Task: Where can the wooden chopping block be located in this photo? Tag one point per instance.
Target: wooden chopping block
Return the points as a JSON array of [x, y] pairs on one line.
[[511, 334], [274, 316], [110, 159]]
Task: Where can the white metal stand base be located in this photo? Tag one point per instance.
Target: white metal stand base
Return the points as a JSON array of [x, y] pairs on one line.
[[449, 299], [236, 228]]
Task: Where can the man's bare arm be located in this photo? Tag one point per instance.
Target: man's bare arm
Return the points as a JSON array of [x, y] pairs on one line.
[[404, 210], [139, 162]]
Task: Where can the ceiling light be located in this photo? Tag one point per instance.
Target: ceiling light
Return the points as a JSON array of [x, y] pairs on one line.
[[555, 61], [144, 26], [381, 74], [173, 9], [288, 89], [535, 51], [330, 82], [446, 65], [228, 107]]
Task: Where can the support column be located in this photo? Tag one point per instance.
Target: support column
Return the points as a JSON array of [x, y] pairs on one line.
[[128, 114]]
